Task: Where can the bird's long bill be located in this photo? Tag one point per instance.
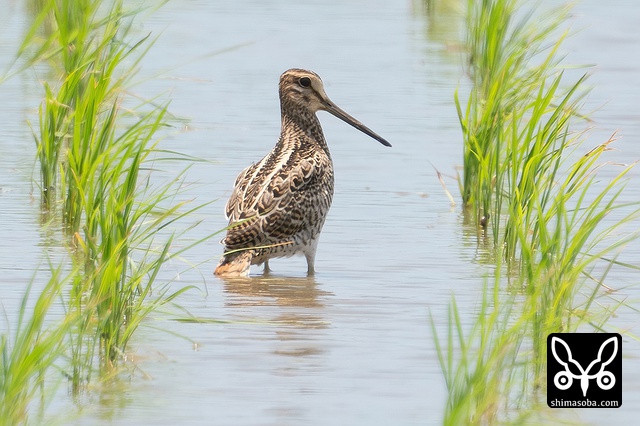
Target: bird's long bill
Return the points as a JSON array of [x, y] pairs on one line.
[[330, 107]]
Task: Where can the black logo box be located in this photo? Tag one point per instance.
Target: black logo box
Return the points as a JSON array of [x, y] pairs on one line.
[[584, 370]]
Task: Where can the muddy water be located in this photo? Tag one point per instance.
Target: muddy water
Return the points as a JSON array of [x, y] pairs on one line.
[[353, 344]]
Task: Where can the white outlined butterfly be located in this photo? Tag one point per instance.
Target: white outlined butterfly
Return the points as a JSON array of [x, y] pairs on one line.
[[564, 379]]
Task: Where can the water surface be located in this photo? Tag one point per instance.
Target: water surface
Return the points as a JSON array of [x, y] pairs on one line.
[[351, 345]]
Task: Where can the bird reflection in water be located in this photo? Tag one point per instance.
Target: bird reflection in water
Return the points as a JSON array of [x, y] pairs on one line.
[[294, 305]]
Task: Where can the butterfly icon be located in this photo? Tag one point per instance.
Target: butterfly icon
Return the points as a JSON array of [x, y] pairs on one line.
[[564, 379]]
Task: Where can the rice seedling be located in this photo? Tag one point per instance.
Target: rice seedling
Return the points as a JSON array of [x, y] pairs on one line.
[[28, 350], [507, 104], [96, 158], [524, 174], [525, 180], [77, 119], [494, 370], [122, 258], [481, 364]]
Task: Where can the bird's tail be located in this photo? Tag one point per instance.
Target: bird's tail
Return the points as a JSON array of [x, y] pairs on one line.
[[235, 264]]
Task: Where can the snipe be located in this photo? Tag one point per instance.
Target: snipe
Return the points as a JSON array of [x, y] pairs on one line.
[[278, 205]]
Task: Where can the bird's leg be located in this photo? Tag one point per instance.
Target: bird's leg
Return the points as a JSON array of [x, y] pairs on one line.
[[266, 270], [310, 261]]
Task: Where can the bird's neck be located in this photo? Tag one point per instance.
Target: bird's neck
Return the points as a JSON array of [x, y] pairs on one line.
[[302, 130]]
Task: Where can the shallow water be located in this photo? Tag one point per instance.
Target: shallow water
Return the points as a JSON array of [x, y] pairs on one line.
[[353, 344]]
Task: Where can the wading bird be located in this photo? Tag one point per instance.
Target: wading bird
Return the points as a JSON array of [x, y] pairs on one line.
[[278, 205]]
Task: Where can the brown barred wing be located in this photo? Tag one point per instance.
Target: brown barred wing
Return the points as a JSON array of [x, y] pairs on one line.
[[279, 206]]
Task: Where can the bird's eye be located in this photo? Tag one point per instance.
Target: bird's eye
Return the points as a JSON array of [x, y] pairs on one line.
[[304, 82]]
